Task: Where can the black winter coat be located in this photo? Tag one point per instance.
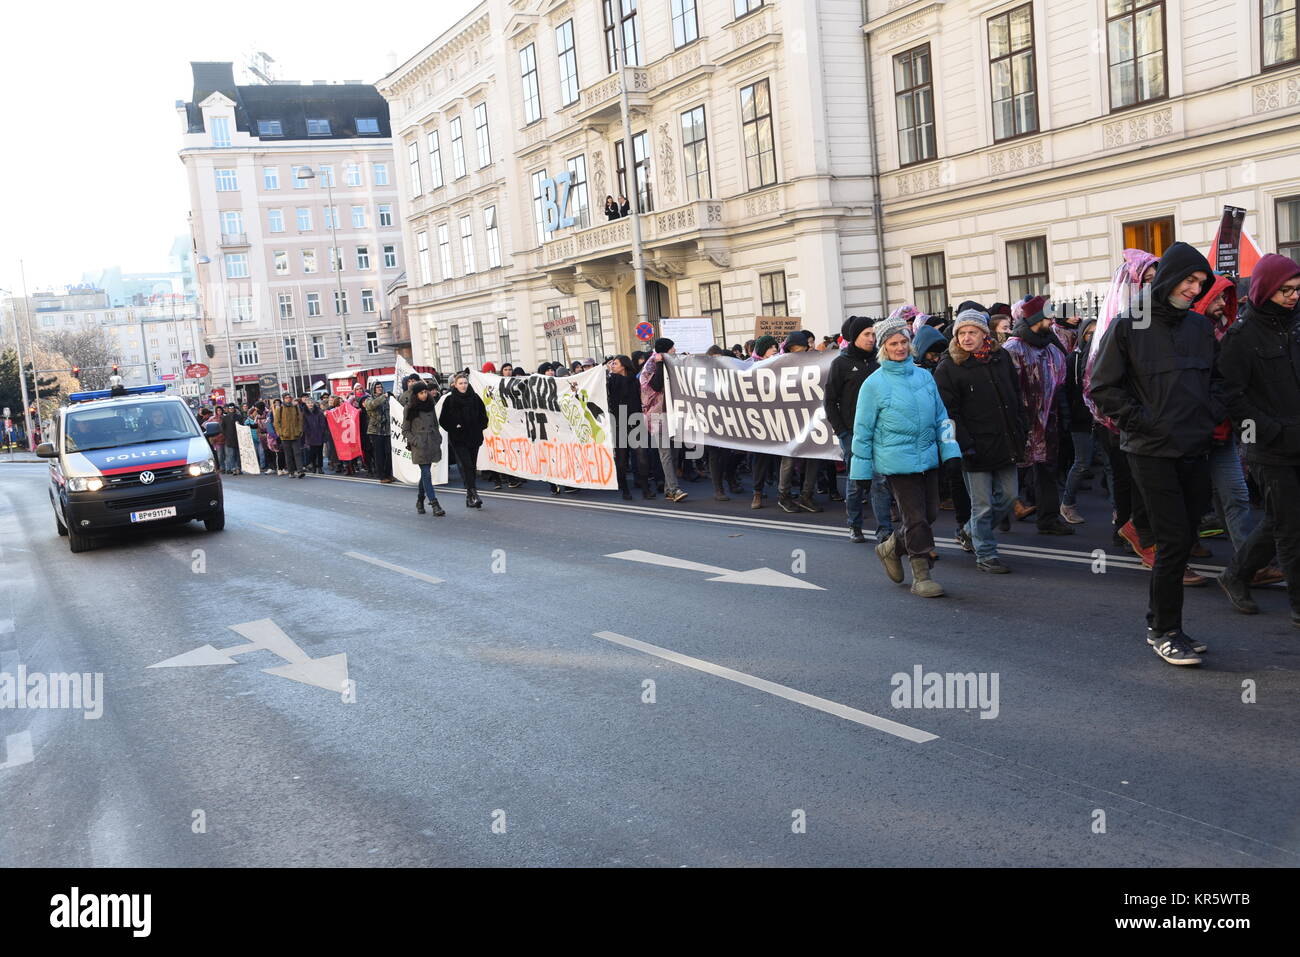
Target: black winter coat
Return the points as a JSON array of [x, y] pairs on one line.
[[849, 370], [624, 392], [463, 418], [1259, 360], [983, 401]]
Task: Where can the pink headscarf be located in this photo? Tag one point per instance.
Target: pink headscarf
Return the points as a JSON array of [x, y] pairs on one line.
[[1119, 297], [912, 317]]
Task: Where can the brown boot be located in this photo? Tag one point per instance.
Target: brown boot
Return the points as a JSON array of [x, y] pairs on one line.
[[758, 500], [922, 584], [887, 552]]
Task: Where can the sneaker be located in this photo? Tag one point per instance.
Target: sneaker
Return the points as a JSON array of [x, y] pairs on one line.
[[1192, 580], [282, 472], [993, 565], [1176, 647], [964, 540], [1238, 593], [945, 505], [676, 495], [1268, 575], [1212, 529], [855, 535], [808, 505], [514, 483], [835, 494], [1130, 535], [1071, 515], [569, 490], [1200, 551], [786, 504], [1022, 511], [1057, 527]]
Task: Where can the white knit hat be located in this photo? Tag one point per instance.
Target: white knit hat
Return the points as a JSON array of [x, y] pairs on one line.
[[971, 317], [888, 327]]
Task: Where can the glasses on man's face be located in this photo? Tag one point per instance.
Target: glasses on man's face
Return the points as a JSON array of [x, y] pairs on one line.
[[1289, 291]]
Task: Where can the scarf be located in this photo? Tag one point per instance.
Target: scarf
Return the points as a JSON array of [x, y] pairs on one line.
[[981, 355], [1039, 340], [418, 406]]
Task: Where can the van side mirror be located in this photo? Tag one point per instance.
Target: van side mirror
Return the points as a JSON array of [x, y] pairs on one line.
[[45, 451]]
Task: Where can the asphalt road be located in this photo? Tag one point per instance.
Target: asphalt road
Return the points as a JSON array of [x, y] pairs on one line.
[[501, 714]]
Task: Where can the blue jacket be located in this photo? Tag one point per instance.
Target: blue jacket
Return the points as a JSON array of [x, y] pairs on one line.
[[901, 426]]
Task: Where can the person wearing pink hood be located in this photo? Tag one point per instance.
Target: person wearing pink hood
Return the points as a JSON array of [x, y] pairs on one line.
[[1259, 362]]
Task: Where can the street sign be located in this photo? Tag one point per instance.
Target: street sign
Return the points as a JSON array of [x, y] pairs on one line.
[[196, 371], [245, 379], [168, 377], [645, 331]]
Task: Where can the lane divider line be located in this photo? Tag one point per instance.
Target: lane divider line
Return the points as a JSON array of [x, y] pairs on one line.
[[394, 568], [906, 732]]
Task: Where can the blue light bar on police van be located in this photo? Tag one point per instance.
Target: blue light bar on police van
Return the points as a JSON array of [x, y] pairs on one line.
[[110, 393]]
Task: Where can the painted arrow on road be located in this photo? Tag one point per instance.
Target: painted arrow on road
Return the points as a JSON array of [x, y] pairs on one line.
[[755, 576], [330, 672]]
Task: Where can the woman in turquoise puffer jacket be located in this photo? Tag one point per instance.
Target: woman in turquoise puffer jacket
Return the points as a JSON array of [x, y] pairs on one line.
[[902, 431]]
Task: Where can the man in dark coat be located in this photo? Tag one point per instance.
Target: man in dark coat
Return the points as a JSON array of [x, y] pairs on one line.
[[1260, 365], [230, 419], [979, 386], [849, 370], [1155, 378]]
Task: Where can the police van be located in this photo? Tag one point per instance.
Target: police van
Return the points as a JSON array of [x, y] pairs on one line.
[[125, 457]]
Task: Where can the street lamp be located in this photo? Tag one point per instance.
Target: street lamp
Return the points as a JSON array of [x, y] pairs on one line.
[[230, 354], [306, 172]]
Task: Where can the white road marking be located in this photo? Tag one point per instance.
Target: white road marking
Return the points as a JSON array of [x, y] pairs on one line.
[[394, 568], [755, 576], [18, 750], [329, 672], [271, 528], [906, 732]]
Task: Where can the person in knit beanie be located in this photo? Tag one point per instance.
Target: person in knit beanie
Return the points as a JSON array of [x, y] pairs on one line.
[[765, 346]]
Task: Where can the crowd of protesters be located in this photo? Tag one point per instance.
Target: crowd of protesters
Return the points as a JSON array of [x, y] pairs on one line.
[[1181, 403]]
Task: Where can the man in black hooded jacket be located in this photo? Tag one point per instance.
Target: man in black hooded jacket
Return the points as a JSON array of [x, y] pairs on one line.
[[1155, 377], [849, 370]]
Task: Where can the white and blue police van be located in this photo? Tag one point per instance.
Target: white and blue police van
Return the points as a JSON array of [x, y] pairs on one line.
[[127, 457]]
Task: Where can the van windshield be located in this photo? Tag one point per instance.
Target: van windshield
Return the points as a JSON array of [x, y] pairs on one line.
[[127, 424]]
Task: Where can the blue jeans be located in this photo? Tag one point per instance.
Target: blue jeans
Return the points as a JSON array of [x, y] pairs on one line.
[[852, 490], [1231, 497], [1084, 446], [260, 448], [991, 495], [426, 483], [229, 457]]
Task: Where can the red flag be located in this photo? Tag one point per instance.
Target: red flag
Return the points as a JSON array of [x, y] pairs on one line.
[[345, 427]]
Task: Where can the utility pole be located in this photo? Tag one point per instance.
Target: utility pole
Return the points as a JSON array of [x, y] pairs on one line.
[[27, 321], [22, 374], [629, 165]]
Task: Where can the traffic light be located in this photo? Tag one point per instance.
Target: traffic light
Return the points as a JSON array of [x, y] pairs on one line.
[[76, 373], [114, 372]]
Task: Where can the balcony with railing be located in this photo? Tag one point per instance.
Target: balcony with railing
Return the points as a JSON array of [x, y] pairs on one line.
[[233, 240], [601, 101], [686, 223]]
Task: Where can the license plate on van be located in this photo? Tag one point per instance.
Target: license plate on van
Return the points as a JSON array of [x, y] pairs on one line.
[[153, 513]]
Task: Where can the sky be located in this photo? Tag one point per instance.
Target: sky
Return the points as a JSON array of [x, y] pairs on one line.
[[87, 90]]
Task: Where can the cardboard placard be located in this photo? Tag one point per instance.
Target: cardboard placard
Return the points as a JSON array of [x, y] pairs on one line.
[[779, 326]]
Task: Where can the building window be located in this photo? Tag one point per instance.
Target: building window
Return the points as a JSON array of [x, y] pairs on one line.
[[422, 257], [380, 171], [1027, 267], [298, 181], [413, 164], [367, 126], [930, 283], [236, 266], [1153, 235], [269, 128], [363, 257], [232, 223], [309, 261], [304, 219], [352, 174], [220, 131], [481, 136], [568, 63], [1135, 31], [480, 349], [390, 257], [457, 359], [367, 300], [385, 214], [457, 150], [336, 259], [528, 74], [611, 40], [285, 301], [557, 344], [467, 244], [771, 294], [318, 342], [624, 20], [275, 220], [444, 251], [914, 104], [631, 34], [340, 302], [226, 181], [270, 177], [246, 353], [331, 217], [493, 237], [1279, 28], [579, 208], [503, 338], [595, 330], [711, 306], [290, 348], [760, 146], [313, 309], [1288, 227], [318, 126], [1011, 68], [539, 177], [742, 7], [686, 27], [695, 152], [358, 217], [641, 163], [372, 343], [281, 257], [435, 161]]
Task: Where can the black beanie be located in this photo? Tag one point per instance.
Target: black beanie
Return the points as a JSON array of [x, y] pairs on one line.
[[663, 345], [763, 343], [797, 338], [970, 304], [854, 327]]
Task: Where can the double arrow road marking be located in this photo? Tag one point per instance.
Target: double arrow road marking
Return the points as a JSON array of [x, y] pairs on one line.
[[330, 672], [755, 576]]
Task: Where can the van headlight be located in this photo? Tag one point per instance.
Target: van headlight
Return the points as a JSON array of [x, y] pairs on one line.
[[203, 468], [91, 483]]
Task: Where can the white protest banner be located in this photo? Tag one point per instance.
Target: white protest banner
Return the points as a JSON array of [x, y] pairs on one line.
[[404, 470], [554, 429], [689, 333], [247, 450], [773, 406]]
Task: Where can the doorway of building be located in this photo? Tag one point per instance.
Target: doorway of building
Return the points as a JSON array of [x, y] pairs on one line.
[[657, 304]]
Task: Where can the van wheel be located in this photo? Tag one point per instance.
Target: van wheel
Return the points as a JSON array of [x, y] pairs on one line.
[[215, 521], [78, 542]]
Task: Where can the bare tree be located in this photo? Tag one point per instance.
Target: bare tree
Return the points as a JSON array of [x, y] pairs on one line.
[[90, 349]]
